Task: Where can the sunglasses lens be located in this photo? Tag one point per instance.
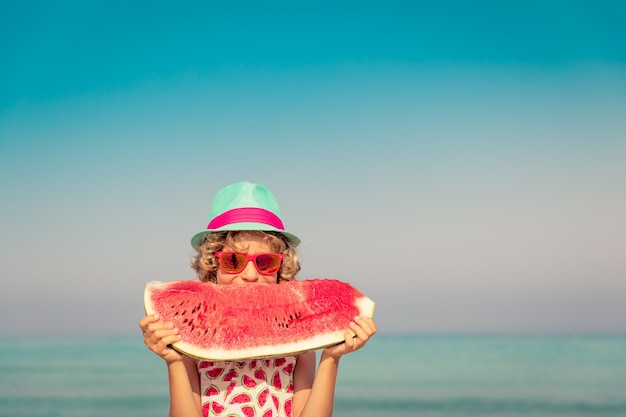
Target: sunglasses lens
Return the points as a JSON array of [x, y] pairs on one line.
[[267, 262], [233, 262]]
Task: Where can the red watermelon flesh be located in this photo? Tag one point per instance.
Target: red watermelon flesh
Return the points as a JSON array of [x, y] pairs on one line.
[[231, 322]]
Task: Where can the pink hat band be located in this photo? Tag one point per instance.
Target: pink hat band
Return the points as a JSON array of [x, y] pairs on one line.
[[246, 215]]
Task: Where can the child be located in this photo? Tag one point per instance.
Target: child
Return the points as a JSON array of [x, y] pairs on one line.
[[246, 243]]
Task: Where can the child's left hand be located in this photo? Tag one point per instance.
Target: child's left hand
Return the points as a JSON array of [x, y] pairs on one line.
[[363, 328]]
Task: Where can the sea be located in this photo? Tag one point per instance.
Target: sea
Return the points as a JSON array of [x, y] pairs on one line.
[[394, 375]]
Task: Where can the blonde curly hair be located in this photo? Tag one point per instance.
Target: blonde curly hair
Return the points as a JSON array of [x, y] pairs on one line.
[[205, 263]]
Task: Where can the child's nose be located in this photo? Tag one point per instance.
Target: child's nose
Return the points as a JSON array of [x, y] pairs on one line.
[[250, 272]]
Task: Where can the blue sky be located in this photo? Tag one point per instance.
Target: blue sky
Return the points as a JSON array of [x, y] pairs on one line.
[[461, 164]]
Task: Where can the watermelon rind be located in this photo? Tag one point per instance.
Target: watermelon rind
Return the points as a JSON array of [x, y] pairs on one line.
[[364, 305]]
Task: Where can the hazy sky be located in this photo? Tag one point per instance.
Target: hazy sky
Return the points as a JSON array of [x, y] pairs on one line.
[[462, 163]]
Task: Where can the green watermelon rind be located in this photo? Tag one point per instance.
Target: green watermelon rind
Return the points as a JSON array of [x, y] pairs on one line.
[[364, 304]]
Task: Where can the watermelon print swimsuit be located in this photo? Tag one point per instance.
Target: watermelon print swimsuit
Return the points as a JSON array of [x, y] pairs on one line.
[[252, 388]]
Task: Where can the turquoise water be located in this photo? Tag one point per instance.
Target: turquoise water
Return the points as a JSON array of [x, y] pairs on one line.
[[432, 376]]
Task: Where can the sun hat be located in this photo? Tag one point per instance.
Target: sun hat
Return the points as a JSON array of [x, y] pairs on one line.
[[244, 206]]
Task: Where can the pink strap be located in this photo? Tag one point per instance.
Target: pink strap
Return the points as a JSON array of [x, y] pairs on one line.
[[246, 214]]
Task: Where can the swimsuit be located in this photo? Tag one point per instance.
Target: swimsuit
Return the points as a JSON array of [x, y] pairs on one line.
[[251, 388]]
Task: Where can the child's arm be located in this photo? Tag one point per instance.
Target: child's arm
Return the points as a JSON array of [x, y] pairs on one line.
[[317, 400], [184, 381], [184, 384]]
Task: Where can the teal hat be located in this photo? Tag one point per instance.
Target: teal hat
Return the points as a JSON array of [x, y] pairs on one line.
[[244, 206]]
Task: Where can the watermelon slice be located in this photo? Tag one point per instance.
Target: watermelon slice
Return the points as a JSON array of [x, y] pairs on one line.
[[232, 322]]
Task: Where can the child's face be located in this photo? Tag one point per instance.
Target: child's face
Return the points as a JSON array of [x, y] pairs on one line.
[[249, 275]]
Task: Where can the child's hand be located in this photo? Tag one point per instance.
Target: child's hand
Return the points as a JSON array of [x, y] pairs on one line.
[[158, 335], [363, 327]]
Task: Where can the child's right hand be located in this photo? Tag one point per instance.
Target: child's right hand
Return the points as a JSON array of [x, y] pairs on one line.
[[158, 335]]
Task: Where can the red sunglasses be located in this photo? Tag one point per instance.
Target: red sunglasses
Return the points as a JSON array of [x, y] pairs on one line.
[[235, 262]]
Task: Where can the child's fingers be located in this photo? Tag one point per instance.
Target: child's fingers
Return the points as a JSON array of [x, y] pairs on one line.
[[160, 339], [155, 326], [359, 331], [158, 331], [349, 341], [367, 324], [159, 325], [159, 335], [146, 321], [165, 339], [363, 328], [154, 331]]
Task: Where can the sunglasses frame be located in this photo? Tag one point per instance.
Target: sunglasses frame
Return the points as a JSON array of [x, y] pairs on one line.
[[250, 258]]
